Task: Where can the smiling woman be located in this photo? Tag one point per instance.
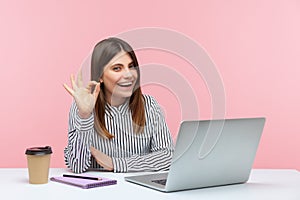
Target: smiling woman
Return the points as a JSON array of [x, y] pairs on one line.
[[112, 125], [119, 77]]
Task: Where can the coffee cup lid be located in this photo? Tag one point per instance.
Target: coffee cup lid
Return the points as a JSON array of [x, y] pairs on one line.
[[38, 150]]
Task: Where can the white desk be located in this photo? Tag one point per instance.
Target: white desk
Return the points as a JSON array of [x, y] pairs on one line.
[[263, 184]]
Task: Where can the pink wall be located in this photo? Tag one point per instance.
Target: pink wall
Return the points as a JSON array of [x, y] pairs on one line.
[[254, 44]]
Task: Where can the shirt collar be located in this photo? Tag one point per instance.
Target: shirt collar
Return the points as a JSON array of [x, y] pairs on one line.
[[113, 110]]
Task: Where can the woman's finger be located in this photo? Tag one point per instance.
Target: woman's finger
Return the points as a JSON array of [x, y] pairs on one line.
[[92, 149], [96, 90], [74, 86], [79, 78], [69, 90], [90, 85], [94, 153]]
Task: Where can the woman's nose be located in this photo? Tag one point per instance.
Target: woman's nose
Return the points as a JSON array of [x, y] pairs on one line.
[[127, 73]]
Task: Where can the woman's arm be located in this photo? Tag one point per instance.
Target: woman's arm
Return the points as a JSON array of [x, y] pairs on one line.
[[155, 161], [81, 123], [77, 153]]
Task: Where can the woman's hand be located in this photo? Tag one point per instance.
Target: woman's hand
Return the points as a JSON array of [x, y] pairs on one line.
[[102, 159], [83, 96]]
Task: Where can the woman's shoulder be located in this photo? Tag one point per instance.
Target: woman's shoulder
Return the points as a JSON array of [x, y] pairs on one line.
[[148, 98], [150, 101]]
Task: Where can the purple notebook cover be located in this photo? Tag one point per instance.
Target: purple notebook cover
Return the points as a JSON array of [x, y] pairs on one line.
[[84, 183]]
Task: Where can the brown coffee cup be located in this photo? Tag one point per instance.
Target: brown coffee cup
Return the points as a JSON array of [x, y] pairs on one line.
[[38, 162]]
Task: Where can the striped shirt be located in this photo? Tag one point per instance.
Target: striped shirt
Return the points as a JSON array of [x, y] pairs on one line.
[[150, 150]]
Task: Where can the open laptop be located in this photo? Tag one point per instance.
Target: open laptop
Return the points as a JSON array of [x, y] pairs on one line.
[[208, 153]]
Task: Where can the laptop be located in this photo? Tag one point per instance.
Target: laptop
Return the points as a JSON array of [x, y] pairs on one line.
[[208, 153]]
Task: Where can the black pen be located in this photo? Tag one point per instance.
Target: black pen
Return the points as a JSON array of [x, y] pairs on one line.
[[83, 177]]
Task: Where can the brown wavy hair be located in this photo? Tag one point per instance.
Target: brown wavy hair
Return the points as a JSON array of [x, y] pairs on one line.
[[103, 52]]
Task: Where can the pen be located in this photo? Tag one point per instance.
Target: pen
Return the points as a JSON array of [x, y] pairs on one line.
[[83, 177]]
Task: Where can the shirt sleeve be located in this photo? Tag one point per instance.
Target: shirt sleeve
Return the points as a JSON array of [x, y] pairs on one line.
[[77, 153], [161, 149]]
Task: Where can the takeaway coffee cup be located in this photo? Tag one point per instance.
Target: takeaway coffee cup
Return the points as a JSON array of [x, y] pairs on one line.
[[38, 162]]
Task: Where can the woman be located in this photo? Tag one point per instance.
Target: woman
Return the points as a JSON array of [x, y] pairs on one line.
[[112, 125]]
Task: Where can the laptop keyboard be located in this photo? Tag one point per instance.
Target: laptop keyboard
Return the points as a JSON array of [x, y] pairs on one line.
[[161, 182]]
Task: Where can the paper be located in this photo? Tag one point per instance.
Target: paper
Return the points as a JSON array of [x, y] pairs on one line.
[[84, 183]]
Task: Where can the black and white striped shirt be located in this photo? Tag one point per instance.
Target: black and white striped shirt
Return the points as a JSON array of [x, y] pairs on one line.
[[150, 150]]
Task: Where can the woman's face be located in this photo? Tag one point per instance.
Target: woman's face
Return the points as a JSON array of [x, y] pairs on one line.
[[119, 78]]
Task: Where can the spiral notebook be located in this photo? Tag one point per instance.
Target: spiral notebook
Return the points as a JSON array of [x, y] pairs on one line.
[[84, 183]]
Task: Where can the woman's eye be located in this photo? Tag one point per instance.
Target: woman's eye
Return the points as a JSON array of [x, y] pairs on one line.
[[132, 67], [116, 68]]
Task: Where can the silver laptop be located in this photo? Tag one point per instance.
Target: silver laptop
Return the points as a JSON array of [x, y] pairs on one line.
[[208, 153]]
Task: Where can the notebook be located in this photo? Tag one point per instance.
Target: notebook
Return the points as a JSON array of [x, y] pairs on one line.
[[84, 183], [208, 153]]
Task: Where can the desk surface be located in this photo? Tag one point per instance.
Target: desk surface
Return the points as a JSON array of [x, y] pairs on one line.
[[263, 184]]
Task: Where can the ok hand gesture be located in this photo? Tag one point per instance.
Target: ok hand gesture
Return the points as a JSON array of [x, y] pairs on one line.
[[84, 97]]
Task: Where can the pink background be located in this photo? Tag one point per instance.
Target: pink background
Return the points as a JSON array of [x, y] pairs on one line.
[[255, 45]]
